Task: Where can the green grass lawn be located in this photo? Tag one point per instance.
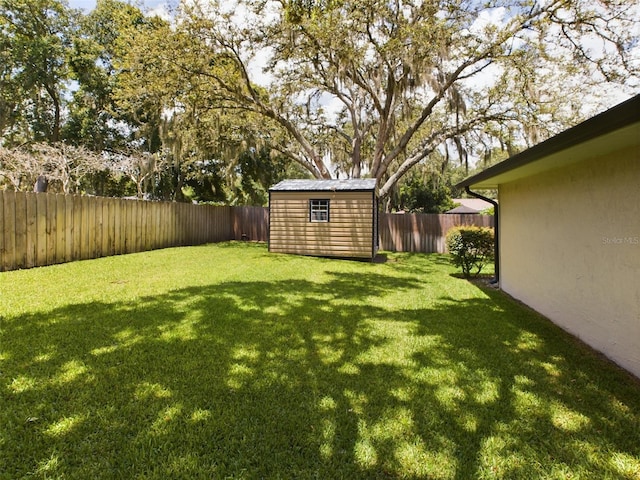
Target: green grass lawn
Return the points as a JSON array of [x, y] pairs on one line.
[[225, 361]]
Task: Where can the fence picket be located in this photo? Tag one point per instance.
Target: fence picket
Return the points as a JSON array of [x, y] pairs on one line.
[[88, 227], [52, 224], [76, 228], [116, 213], [21, 230], [32, 232], [41, 228], [9, 231], [60, 229], [98, 228]]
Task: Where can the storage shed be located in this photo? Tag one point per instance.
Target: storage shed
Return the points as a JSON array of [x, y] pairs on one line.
[[327, 218]]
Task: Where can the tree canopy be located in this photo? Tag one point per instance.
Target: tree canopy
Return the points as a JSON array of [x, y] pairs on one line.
[[407, 78], [35, 36], [222, 97]]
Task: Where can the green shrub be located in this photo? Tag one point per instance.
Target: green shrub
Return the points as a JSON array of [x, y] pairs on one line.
[[471, 248], [488, 211]]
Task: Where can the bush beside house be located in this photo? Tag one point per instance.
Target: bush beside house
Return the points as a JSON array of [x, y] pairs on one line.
[[471, 248]]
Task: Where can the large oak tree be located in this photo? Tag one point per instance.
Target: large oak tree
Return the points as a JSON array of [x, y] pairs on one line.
[[374, 87]]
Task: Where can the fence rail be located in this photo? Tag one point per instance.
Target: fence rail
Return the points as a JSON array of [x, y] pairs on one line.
[[39, 229]]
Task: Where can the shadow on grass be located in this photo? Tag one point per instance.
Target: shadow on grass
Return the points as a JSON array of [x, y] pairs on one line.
[[298, 379]]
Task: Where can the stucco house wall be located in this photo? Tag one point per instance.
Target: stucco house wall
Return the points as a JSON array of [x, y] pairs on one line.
[[569, 229], [570, 248]]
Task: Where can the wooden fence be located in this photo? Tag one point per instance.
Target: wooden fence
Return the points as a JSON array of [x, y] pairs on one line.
[[251, 223], [43, 229], [425, 233], [40, 229]]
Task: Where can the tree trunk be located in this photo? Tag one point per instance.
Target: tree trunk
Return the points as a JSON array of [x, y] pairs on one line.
[[356, 169], [55, 98]]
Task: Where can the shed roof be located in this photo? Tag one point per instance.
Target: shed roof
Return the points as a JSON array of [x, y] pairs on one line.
[[614, 129], [355, 184]]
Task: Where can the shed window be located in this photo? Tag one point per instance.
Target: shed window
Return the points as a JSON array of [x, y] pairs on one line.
[[318, 210]]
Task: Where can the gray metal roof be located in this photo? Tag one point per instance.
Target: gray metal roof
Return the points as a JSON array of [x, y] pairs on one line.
[[475, 204], [463, 209], [324, 185]]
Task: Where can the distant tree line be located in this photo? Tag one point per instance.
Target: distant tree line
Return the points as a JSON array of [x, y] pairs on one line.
[[222, 99]]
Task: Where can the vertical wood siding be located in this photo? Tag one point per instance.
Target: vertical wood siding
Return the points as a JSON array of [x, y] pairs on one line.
[[38, 229]]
